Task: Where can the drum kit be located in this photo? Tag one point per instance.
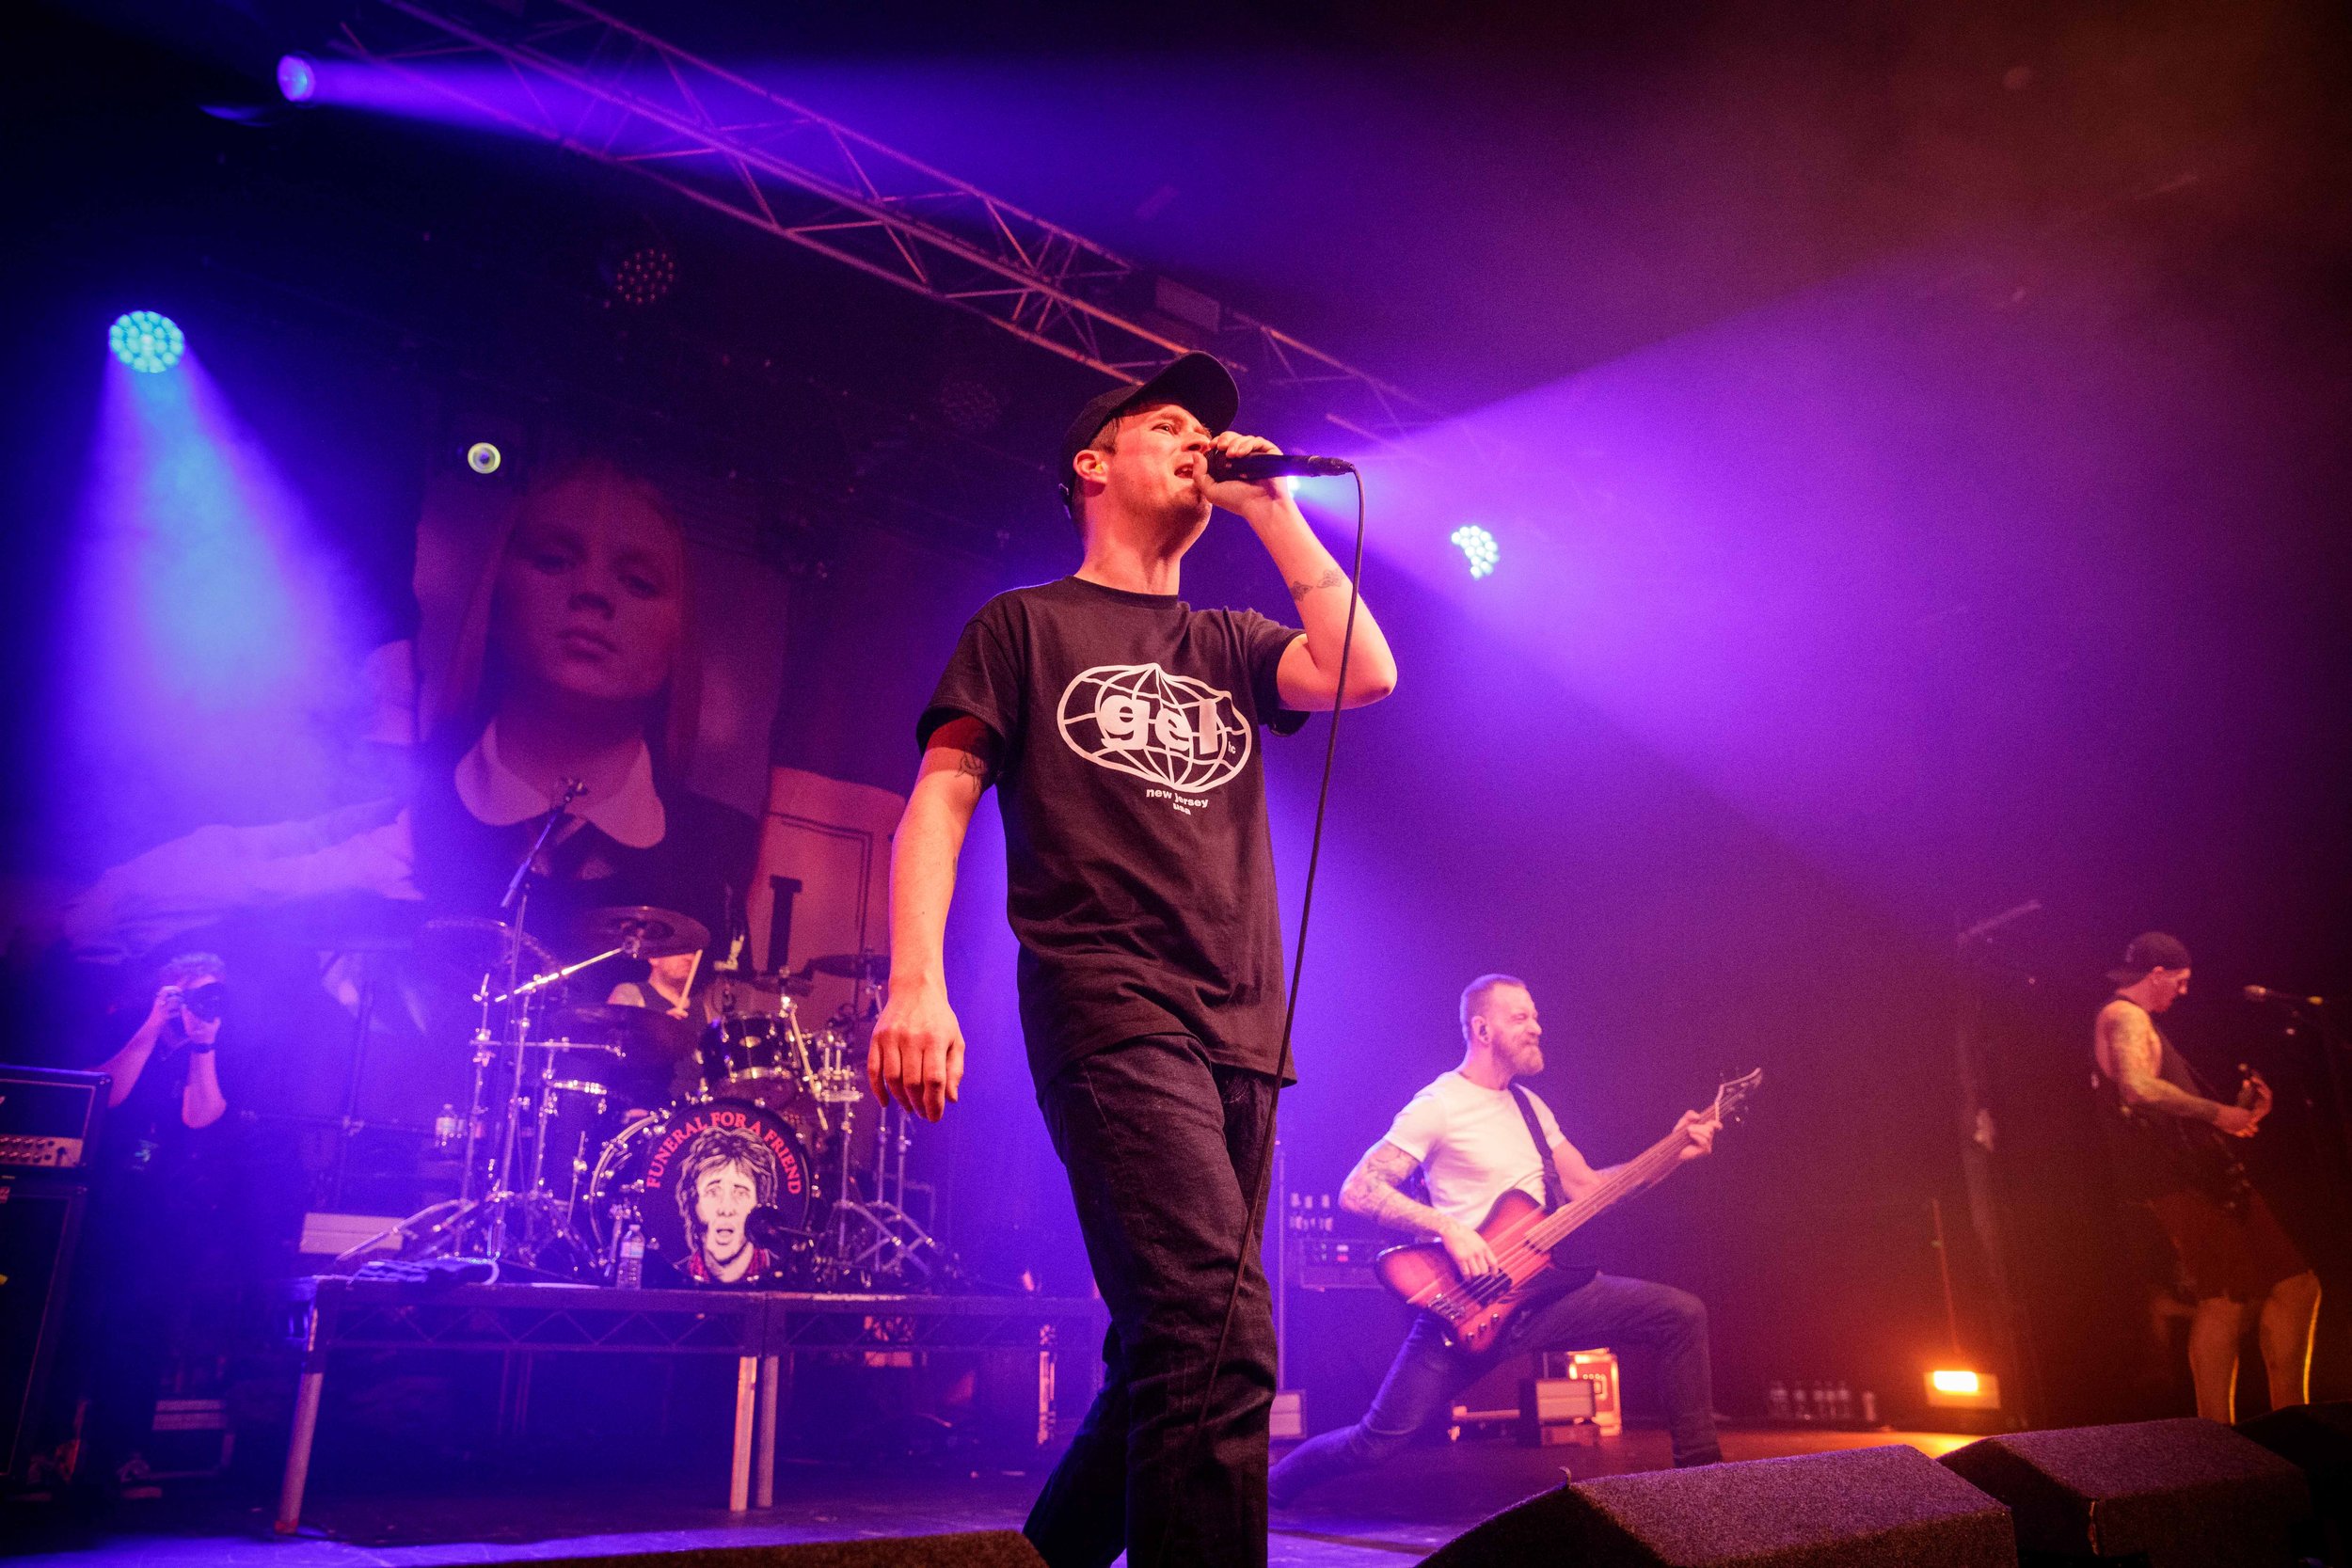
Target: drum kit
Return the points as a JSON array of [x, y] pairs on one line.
[[725, 1141]]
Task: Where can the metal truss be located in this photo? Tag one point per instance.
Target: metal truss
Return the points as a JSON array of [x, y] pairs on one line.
[[336, 1312], [566, 73]]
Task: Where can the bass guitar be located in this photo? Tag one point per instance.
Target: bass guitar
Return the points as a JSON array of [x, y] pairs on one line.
[[1522, 1236]]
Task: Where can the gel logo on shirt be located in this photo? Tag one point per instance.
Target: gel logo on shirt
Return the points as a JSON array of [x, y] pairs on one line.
[[1170, 729]]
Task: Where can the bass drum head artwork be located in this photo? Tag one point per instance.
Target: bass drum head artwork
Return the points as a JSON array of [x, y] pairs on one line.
[[695, 1173]]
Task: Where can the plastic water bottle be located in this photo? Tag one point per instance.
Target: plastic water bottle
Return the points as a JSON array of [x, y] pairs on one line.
[[629, 1271], [445, 1128]]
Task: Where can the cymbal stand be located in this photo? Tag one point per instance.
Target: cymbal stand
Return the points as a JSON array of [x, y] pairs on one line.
[[893, 1244], [443, 1229]]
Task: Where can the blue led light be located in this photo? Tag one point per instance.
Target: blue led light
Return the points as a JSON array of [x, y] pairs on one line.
[[145, 341], [1478, 546], [297, 78]]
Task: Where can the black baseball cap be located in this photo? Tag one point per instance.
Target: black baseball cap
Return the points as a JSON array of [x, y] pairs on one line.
[[2150, 950], [1197, 383]]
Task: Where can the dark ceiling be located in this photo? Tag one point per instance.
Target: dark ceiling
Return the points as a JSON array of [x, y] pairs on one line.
[[1475, 199]]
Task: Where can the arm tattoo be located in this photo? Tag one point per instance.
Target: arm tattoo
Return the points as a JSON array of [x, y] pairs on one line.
[[2132, 1047], [1332, 578], [1371, 1190]]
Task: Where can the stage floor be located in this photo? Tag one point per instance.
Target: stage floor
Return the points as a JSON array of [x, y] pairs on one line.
[[1397, 1515]]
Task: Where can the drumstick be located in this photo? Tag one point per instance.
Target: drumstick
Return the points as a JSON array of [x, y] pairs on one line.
[[686, 992]]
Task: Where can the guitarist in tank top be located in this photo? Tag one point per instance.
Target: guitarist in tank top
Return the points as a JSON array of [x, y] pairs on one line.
[[2173, 1142], [1472, 1135]]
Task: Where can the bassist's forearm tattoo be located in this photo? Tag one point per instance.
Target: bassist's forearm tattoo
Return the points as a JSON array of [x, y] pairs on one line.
[[1371, 1190]]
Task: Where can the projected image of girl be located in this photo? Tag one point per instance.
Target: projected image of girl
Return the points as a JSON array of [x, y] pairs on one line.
[[568, 654], [575, 661]]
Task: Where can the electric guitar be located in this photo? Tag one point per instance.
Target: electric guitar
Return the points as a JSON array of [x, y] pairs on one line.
[[1522, 1236]]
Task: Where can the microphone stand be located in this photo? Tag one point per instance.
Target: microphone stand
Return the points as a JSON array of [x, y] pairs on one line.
[[440, 1229], [516, 901], [2332, 1049]]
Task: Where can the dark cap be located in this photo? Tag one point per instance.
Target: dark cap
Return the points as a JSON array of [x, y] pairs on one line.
[[2149, 950], [1197, 383]]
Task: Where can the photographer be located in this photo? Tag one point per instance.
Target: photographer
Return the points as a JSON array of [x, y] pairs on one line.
[[170, 1058], [152, 1209]]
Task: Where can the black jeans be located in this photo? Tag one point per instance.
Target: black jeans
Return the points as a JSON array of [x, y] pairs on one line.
[[1428, 1373], [1162, 1148]]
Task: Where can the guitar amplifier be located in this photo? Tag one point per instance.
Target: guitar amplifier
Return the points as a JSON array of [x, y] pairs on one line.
[[49, 1117]]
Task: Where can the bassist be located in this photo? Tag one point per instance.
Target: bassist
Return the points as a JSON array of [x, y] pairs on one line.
[[1474, 1133]]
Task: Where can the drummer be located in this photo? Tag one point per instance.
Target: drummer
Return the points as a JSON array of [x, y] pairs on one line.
[[668, 988]]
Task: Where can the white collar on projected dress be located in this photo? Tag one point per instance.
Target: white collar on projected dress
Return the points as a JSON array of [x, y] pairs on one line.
[[495, 793]]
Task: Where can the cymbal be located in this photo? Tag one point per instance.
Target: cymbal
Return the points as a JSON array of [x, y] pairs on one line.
[[640, 1032], [751, 992], [870, 967], [472, 947], [646, 932]]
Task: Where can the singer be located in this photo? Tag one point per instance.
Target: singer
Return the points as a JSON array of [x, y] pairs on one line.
[[1120, 726]]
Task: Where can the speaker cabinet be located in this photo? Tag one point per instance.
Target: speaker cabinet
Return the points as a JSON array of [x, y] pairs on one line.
[[1866, 1508], [2317, 1439], [1342, 1340], [40, 1218], [2179, 1493]]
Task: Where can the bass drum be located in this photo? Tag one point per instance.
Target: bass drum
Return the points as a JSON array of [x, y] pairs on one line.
[[691, 1176]]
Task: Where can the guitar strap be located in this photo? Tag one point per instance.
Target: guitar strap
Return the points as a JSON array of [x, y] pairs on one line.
[[1554, 1196]]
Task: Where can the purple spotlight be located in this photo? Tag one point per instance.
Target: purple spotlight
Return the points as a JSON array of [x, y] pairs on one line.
[[1478, 548], [297, 78]]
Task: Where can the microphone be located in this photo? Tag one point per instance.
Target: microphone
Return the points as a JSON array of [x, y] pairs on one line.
[[764, 1227], [2264, 994], [1256, 466]]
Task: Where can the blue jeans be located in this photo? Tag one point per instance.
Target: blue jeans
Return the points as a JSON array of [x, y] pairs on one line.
[[1427, 1373], [1162, 1146]]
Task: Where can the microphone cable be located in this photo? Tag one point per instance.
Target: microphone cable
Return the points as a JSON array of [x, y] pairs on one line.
[[1264, 1178]]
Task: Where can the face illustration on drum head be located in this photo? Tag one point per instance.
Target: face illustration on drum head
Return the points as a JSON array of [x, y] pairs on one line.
[[722, 1175]]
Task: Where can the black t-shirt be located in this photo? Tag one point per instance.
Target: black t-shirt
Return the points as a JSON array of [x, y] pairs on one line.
[[1140, 874]]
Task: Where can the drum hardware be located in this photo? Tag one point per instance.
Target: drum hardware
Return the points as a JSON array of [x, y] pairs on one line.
[[643, 931], [505, 1210], [770, 1172], [867, 969]]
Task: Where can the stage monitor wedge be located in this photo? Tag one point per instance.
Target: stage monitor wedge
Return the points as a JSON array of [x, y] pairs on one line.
[[2317, 1440], [2176, 1494], [1888, 1507]]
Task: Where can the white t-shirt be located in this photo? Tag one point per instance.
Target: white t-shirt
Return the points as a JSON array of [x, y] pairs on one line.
[[1472, 1142]]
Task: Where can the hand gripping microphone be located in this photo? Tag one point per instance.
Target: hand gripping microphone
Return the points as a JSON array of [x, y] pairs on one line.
[[1254, 467]]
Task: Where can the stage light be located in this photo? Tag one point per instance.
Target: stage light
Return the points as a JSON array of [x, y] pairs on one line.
[[1958, 1388], [483, 458], [297, 78], [145, 341], [1478, 546], [644, 276]]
